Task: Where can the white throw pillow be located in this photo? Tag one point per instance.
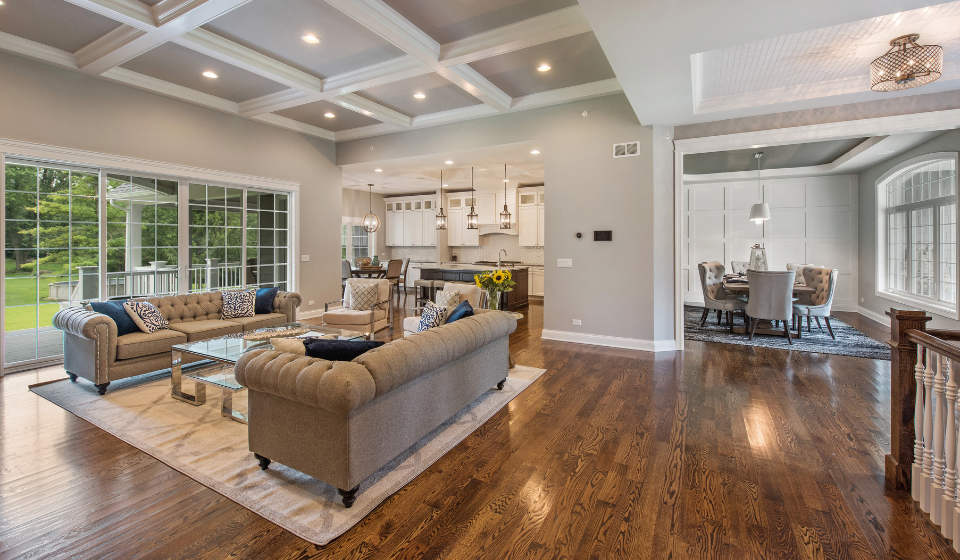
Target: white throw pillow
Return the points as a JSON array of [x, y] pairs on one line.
[[362, 296], [240, 303], [289, 345], [448, 299], [146, 316], [433, 316]]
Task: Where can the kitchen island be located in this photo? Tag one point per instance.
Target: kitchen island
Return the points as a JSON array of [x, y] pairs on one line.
[[510, 301]]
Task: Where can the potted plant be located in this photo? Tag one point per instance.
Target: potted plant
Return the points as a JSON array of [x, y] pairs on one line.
[[494, 282]]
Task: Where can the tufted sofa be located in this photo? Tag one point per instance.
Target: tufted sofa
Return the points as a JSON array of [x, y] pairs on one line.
[[92, 349], [340, 422]]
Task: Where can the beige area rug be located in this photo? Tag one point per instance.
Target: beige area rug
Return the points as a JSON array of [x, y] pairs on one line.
[[212, 449]]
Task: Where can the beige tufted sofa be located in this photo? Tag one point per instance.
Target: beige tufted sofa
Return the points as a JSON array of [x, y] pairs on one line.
[[92, 349], [340, 422]]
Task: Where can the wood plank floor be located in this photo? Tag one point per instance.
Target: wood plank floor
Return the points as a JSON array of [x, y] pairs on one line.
[[722, 451]]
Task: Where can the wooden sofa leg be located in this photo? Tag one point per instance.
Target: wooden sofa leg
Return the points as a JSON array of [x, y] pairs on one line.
[[102, 388], [264, 462], [348, 496], [73, 376], [501, 384]]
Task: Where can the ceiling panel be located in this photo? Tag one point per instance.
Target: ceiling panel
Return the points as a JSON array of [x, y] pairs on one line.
[[55, 23], [185, 67], [574, 60], [441, 95], [313, 113], [449, 21], [275, 27], [774, 157]]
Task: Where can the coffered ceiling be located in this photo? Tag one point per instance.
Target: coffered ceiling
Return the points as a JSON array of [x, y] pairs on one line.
[[468, 59]]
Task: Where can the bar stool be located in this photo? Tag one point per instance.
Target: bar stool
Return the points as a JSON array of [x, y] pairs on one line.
[[437, 286], [424, 290]]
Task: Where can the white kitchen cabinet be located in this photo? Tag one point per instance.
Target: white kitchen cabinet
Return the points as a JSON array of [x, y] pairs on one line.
[[455, 227], [540, 229], [394, 227], [410, 222], [471, 237], [408, 228], [457, 233], [429, 225], [531, 219], [487, 208], [535, 281]]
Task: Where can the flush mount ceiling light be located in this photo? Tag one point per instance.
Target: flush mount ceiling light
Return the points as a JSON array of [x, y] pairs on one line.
[[441, 218], [472, 218], [544, 68], [535, 152], [505, 215], [371, 222], [329, 115], [210, 74], [310, 38], [419, 95], [906, 65], [760, 211]]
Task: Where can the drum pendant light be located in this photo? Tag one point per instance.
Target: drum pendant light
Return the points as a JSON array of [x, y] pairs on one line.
[[441, 219], [472, 216], [760, 211], [371, 222], [505, 215]]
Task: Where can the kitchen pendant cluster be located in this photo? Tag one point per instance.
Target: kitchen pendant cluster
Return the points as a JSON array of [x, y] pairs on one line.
[[473, 219], [760, 211]]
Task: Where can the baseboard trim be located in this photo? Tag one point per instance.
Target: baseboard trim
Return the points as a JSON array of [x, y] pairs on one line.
[[610, 341], [309, 314], [882, 319]]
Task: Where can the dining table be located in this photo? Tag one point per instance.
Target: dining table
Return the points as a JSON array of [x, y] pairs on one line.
[[368, 271], [742, 288]]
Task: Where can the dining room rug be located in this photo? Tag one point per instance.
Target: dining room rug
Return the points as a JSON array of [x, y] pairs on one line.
[[849, 342], [212, 449]]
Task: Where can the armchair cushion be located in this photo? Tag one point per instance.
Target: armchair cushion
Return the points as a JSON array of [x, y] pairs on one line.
[[344, 316], [265, 297], [338, 350], [146, 316], [116, 311], [362, 296], [468, 292]]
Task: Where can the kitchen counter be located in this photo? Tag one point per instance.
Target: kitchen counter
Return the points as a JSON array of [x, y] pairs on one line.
[[512, 300], [464, 266]]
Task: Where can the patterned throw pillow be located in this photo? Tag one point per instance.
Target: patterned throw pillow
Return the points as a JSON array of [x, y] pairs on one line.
[[146, 316], [448, 299], [239, 304], [362, 296], [433, 316]]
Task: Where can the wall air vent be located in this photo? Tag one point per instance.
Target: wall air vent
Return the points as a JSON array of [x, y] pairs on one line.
[[627, 149]]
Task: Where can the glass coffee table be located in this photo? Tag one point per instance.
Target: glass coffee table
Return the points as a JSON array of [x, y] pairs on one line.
[[226, 351]]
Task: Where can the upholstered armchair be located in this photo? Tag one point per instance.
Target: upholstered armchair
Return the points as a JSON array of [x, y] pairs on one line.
[[771, 298], [370, 321], [738, 267], [798, 268], [714, 296], [817, 304], [468, 292]]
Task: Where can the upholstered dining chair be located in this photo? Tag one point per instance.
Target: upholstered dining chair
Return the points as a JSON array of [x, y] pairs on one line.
[[714, 296], [771, 298], [346, 272], [798, 268], [817, 304], [394, 268], [403, 275], [738, 267], [377, 317]]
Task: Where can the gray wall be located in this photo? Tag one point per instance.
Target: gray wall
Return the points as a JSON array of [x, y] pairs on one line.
[[948, 142], [49, 105], [611, 286]]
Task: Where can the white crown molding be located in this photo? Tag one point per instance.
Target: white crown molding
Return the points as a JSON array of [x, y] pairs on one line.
[[154, 85], [129, 12], [296, 126], [537, 30], [60, 154], [110, 44], [610, 341], [567, 94], [39, 51], [366, 107]]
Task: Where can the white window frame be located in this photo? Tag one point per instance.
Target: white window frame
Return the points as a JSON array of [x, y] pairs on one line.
[[950, 311], [352, 221]]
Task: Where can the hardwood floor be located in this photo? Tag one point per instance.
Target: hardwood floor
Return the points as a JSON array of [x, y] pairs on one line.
[[722, 451]]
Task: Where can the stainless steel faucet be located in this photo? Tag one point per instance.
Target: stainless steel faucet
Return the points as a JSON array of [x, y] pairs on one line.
[[504, 251]]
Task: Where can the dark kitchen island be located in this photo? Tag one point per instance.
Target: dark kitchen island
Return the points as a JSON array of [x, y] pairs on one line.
[[510, 301]]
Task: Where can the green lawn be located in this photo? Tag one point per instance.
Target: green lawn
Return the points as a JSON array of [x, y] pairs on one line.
[[20, 295]]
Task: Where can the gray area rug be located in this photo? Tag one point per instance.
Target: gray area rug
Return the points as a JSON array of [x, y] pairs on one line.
[[212, 449], [849, 342]]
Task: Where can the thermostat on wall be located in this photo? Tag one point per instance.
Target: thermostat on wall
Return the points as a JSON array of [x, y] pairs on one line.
[[603, 235]]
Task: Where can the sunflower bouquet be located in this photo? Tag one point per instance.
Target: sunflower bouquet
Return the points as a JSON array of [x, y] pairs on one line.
[[494, 282]]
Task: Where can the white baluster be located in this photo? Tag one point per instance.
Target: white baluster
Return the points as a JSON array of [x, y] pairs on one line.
[[917, 471], [927, 476], [939, 427], [948, 502]]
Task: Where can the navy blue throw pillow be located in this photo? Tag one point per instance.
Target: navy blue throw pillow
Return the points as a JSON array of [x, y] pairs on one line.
[[115, 310], [265, 297], [338, 350], [460, 311]]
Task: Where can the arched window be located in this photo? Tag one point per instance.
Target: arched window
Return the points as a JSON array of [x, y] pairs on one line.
[[917, 227]]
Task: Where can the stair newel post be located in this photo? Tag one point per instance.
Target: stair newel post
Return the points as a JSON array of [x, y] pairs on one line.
[[948, 501], [939, 429], [902, 467], [926, 477], [917, 471]]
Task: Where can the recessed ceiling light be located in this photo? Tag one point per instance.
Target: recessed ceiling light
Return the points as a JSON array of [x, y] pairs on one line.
[[210, 74], [367, 113], [535, 152], [448, 162], [419, 96], [329, 115], [544, 68], [310, 38], [378, 170], [446, 185], [1, 2]]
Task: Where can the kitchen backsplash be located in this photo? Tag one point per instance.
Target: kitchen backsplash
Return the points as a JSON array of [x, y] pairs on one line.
[[491, 245], [427, 254]]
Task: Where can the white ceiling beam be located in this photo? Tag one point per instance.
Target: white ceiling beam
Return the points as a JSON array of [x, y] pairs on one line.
[[276, 102], [38, 51], [154, 85], [538, 30], [389, 24], [130, 12], [567, 94], [366, 107], [296, 126], [173, 18]]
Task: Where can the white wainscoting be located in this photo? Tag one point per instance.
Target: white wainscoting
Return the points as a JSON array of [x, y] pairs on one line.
[[812, 220]]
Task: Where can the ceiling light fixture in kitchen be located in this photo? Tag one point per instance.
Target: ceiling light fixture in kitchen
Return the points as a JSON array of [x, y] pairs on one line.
[[505, 215], [472, 218], [441, 219]]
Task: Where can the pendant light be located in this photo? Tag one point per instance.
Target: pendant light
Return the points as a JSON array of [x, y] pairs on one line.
[[472, 216], [505, 215], [371, 222], [441, 219], [760, 211]]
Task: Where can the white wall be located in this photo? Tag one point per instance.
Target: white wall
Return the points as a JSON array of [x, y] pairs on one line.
[[812, 220]]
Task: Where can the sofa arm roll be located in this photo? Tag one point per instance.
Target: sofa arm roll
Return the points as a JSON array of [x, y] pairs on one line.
[[83, 323], [287, 303], [337, 387]]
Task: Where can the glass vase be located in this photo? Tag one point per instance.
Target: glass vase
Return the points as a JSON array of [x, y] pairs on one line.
[[493, 300]]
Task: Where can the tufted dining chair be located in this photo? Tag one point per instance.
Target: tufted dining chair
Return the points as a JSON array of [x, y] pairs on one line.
[[771, 298], [798, 268], [346, 272], [817, 304], [738, 267], [714, 296]]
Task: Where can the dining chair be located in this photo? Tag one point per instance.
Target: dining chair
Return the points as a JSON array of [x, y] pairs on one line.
[[798, 268], [771, 298], [817, 304], [403, 274], [738, 267], [393, 275], [714, 296], [346, 272]]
